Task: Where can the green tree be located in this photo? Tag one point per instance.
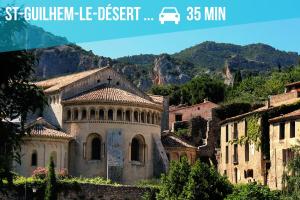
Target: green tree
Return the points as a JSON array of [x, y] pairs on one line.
[[51, 189], [174, 181], [18, 97], [291, 178], [252, 191], [205, 182], [237, 77]]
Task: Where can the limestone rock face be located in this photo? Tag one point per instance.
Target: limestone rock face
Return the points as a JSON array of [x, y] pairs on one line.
[[66, 59], [167, 71]]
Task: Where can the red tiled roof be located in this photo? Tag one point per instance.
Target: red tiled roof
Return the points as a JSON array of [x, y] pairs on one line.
[[181, 107], [171, 140], [42, 131], [292, 115], [54, 84], [41, 128], [109, 94]]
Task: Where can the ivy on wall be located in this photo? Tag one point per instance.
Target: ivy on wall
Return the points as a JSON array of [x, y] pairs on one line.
[[258, 127]]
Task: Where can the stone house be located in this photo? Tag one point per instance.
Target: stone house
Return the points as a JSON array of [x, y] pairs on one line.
[[203, 123], [284, 135], [100, 125], [177, 147], [246, 162]]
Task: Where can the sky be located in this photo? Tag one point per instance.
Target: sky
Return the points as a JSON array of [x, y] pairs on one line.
[[283, 35]]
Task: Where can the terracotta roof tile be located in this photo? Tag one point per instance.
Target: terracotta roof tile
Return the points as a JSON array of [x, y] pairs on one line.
[[171, 140], [292, 115], [42, 131], [41, 128], [109, 94], [57, 83]]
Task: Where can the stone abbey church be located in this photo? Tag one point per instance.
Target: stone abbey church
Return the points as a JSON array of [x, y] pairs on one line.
[[97, 124]]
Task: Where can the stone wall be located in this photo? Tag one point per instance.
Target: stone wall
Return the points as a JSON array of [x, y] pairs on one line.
[[203, 110], [84, 191]]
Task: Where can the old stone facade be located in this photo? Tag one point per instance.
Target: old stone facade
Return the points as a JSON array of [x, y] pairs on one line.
[[186, 113], [176, 148], [240, 163], [246, 162], [114, 126], [43, 142], [203, 124], [284, 135]]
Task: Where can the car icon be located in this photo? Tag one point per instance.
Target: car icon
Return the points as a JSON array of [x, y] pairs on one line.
[[169, 14]]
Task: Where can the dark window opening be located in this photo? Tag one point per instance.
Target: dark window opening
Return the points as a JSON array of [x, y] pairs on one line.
[[101, 114], [235, 153], [83, 114], [281, 131], [136, 116], [178, 117], [227, 133], [227, 155], [110, 114], [92, 114], [127, 115], [246, 126], [247, 151], [143, 117], [69, 115], [75, 114], [96, 149], [148, 118], [235, 175], [135, 150], [119, 115], [34, 159], [292, 129], [235, 131]]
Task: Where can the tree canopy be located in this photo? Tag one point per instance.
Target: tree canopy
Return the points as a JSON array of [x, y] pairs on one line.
[[18, 97]]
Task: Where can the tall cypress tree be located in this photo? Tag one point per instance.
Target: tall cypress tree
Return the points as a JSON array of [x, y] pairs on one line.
[[51, 190]]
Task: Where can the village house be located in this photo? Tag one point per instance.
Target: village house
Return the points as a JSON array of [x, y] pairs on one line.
[[284, 135], [97, 123], [203, 124], [245, 162], [176, 148]]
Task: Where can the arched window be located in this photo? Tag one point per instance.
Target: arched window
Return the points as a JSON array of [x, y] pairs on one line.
[[96, 149], [101, 114], [110, 114], [68, 115], [119, 115], [83, 114], [75, 117], [148, 118], [153, 118], [137, 148], [34, 158], [136, 116], [143, 117], [92, 114], [127, 115]]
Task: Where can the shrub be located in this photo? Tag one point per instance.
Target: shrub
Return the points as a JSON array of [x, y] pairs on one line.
[[40, 173], [174, 181], [62, 174], [205, 182], [253, 191]]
